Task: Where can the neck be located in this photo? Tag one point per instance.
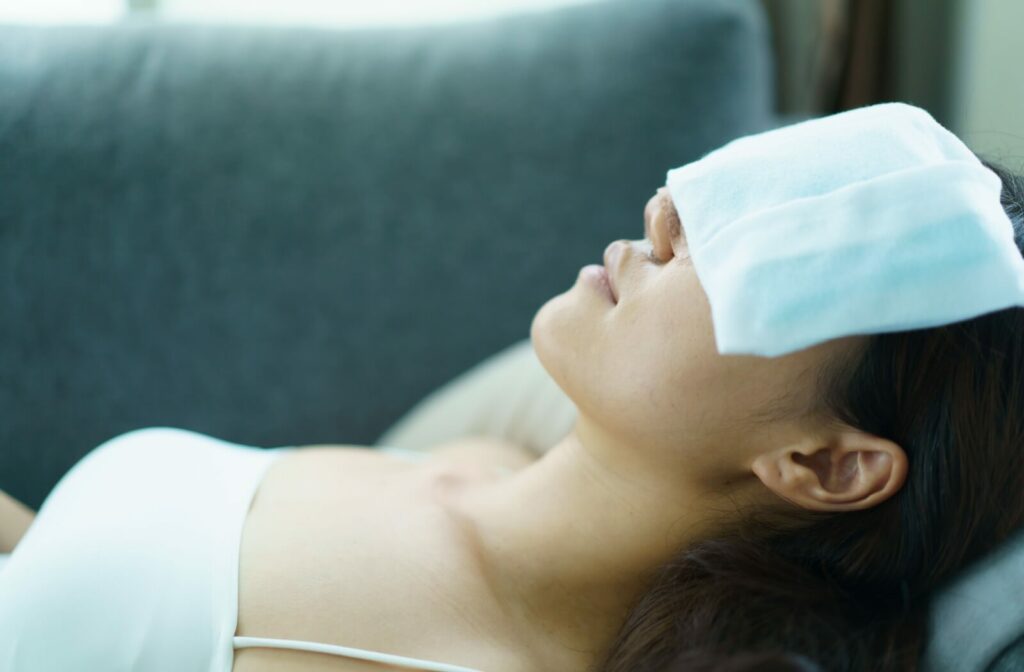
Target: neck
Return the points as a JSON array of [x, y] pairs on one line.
[[568, 544]]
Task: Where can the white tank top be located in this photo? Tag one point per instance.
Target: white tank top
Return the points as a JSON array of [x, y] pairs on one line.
[[132, 562]]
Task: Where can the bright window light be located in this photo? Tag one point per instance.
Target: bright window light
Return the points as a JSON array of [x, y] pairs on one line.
[[303, 12], [61, 11], [346, 12]]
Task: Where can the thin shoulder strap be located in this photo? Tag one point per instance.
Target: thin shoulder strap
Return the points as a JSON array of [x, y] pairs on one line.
[[364, 654]]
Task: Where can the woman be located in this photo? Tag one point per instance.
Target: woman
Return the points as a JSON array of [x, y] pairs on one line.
[[705, 512]]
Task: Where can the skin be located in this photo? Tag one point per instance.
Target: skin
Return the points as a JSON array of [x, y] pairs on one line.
[[663, 450]]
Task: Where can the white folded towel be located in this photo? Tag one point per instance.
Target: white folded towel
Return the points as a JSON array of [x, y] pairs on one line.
[[871, 220]]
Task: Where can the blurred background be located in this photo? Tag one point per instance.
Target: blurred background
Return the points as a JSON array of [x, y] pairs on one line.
[[290, 222], [952, 57]]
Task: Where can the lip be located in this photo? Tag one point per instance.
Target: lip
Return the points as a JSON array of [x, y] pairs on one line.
[[596, 276], [612, 253]]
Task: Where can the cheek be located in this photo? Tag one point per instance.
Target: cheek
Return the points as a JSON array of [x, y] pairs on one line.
[[673, 319], [663, 346]]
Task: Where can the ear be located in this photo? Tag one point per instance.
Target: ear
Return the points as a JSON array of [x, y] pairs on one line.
[[851, 470]]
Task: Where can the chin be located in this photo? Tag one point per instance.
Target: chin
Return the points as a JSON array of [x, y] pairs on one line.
[[559, 330]]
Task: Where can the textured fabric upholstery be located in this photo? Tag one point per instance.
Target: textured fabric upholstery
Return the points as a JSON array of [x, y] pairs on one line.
[[281, 236]]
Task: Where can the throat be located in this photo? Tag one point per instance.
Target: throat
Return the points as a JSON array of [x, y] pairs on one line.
[[555, 629]]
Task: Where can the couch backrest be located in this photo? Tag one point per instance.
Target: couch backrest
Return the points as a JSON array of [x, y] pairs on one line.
[[289, 236]]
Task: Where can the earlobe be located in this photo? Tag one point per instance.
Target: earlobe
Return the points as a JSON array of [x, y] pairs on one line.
[[853, 471]]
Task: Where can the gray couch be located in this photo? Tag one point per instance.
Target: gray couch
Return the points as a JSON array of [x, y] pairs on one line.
[[290, 236], [279, 236]]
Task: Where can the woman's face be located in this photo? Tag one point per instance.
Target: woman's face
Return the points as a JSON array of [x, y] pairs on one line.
[[646, 370]]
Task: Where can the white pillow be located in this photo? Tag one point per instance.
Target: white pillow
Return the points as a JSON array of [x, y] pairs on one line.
[[507, 396]]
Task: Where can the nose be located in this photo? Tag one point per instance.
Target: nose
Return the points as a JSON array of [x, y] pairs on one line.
[[657, 202], [652, 205]]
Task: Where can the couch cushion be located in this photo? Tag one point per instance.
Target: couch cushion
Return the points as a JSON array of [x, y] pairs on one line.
[[1012, 658], [281, 236], [979, 617]]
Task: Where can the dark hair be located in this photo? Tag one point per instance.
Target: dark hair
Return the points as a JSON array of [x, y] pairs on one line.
[[825, 591]]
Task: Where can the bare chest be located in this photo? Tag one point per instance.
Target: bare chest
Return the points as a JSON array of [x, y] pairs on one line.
[[346, 546]]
